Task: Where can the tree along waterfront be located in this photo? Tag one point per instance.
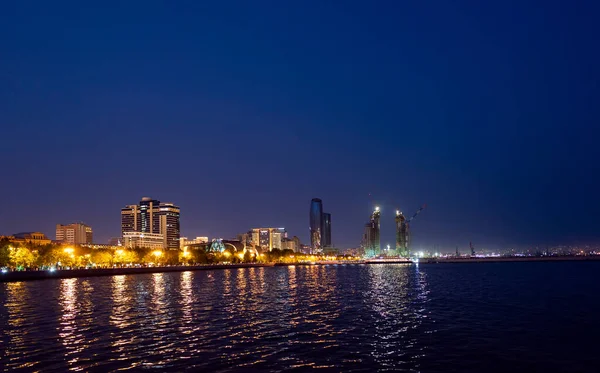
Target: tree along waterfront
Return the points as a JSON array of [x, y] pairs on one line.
[[19, 256]]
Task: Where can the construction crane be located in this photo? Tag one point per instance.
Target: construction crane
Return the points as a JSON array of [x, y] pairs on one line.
[[416, 213]]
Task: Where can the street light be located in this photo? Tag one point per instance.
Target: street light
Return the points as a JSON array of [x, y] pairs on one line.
[[68, 250], [157, 253]]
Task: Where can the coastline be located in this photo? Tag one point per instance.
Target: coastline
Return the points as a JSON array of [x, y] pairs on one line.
[[510, 259], [76, 273]]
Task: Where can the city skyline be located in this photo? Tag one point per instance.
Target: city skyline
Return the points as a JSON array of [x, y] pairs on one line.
[[360, 242], [495, 129], [313, 185]]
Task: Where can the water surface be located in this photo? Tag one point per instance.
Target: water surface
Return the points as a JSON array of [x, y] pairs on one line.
[[491, 317]]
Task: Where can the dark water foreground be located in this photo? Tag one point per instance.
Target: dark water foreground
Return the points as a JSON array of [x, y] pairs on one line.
[[495, 317]]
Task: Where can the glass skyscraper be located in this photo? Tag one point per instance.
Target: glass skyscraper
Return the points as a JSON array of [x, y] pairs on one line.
[[316, 225]]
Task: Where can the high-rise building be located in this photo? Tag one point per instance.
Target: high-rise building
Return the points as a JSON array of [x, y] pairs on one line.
[[89, 235], [316, 225], [401, 235], [152, 216], [130, 221], [326, 235], [268, 238], [76, 233], [371, 238], [169, 224]]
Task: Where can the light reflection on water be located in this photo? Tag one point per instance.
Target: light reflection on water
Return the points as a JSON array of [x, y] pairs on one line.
[[338, 318], [395, 344], [12, 337]]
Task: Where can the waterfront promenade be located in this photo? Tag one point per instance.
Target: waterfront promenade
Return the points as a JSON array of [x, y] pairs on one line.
[[71, 273], [12, 276]]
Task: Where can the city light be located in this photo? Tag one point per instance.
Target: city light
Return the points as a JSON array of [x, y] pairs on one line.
[[69, 250], [227, 254], [119, 251], [157, 253]]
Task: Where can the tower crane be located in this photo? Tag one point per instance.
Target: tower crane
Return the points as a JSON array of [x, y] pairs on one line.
[[416, 213]]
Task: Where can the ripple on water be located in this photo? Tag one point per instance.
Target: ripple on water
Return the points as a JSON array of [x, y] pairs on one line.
[[332, 318]]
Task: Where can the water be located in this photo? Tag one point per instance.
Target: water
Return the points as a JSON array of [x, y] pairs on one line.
[[494, 317]]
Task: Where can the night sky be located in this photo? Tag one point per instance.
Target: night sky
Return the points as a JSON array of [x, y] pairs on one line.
[[241, 112]]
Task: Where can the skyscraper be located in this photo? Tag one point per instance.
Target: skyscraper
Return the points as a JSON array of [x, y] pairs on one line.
[[326, 235], [371, 237], [152, 216], [316, 225], [401, 235]]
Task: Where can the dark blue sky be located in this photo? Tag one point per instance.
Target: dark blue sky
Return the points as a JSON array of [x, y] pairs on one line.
[[241, 112]]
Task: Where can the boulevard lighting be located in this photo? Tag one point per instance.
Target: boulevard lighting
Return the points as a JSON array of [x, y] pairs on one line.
[[241, 256], [186, 254], [69, 250], [227, 254], [119, 251], [157, 253]]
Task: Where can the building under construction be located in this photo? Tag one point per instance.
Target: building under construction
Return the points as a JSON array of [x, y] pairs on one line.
[[371, 238], [403, 233]]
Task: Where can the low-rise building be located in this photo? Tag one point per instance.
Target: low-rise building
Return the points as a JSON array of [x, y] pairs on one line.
[[183, 241], [143, 240], [76, 233], [35, 238], [331, 251], [291, 244], [97, 246]]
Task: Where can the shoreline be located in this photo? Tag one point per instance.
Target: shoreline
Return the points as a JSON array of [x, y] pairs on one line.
[[510, 259], [100, 272]]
